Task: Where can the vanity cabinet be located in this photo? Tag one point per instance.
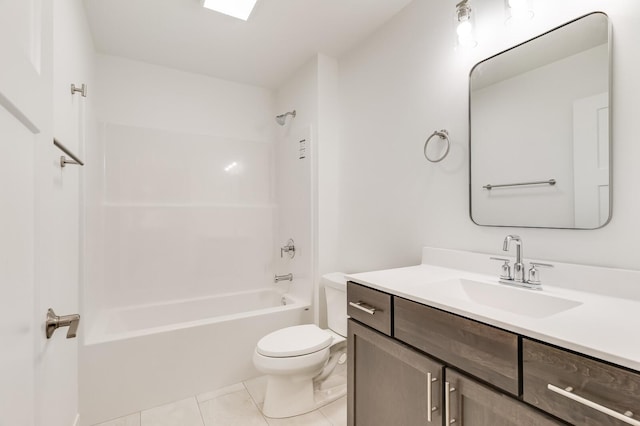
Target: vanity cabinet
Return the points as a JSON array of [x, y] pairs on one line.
[[390, 383], [395, 378]]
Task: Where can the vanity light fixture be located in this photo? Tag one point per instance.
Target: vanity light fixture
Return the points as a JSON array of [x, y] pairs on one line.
[[240, 9], [464, 22], [517, 11]]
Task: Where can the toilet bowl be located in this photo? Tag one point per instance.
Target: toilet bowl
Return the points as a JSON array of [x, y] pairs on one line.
[[298, 359]]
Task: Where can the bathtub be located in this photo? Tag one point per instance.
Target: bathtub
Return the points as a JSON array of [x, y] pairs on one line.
[[138, 357]]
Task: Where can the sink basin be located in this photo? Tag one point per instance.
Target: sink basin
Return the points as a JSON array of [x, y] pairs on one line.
[[525, 302]]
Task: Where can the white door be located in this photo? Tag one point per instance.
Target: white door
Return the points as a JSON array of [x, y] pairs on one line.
[[27, 387], [591, 160], [19, 330]]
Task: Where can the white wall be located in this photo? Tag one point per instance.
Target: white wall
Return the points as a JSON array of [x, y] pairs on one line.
[[328, 156], [407, 81], [167, 220], [150, 96]]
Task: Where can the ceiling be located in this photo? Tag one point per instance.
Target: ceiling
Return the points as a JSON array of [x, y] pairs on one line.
[[279, 36]]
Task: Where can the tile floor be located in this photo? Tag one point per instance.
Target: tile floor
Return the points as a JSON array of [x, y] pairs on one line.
[[234, 405]]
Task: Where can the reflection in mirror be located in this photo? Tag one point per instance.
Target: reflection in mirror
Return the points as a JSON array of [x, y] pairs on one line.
[[539, 130]]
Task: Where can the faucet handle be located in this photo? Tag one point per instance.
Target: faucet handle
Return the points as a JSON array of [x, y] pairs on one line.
[[505, 270], [534, 274], [289, 248]]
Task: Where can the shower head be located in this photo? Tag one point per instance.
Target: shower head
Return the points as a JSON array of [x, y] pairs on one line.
[[282, 118]]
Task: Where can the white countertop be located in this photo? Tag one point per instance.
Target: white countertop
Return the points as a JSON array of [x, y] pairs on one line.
[[602, 326]]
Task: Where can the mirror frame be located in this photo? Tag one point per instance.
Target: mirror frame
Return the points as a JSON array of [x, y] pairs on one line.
[[610, 118]]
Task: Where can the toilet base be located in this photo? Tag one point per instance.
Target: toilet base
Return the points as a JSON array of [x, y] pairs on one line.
[[288, 398]]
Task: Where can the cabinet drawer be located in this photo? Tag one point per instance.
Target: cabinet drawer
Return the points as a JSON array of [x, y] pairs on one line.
[[607, 386], [486, 352], [369, 306]]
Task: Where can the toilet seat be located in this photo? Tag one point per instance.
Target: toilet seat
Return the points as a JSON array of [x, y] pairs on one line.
[[294, 341]]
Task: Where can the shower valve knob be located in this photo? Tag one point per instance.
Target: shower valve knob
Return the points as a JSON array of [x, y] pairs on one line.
[[290, 248]]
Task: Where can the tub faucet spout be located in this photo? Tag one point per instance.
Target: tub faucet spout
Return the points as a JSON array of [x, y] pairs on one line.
[[278, 278]]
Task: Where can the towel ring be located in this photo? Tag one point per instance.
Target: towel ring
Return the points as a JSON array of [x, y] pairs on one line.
[[443, 134]]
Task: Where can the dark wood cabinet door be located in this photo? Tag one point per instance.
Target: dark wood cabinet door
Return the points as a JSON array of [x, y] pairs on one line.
[[390, 383], [471, 404]]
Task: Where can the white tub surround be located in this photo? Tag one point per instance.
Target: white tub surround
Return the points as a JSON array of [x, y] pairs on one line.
[[595, 313], [136, 358], [185, 214]]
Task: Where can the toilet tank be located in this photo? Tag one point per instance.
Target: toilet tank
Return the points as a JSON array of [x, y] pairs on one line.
[[335, 290]]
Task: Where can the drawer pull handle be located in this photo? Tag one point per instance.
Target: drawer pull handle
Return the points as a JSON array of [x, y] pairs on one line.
[[567, 393], [430, 407], [447, 404], [364, 307]]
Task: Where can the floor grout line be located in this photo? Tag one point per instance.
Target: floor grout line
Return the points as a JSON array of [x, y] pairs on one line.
[[325, 417], [250, 396], [199, 411], [255, 403]]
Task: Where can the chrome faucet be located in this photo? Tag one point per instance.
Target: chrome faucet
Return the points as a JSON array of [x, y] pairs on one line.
[[533, 280], [278, 278], [518, 266]]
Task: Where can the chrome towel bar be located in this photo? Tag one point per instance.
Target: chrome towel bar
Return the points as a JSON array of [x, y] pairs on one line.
[[537, 182], [63, 159]]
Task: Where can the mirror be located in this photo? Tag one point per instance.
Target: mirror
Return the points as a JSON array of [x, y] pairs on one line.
[[539, 130]]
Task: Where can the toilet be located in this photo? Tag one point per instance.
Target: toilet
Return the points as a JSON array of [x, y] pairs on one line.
[[298, 360]]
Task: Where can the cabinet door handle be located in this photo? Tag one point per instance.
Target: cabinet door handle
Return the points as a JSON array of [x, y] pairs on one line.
[[448, 389], [363, 307], [430, 407], [567, 393]]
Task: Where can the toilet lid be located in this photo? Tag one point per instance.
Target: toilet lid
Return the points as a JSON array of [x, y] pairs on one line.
[[294, 341]]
